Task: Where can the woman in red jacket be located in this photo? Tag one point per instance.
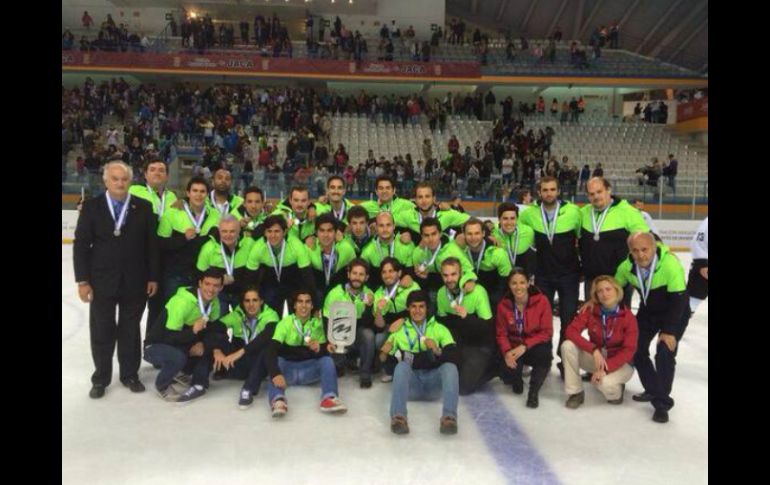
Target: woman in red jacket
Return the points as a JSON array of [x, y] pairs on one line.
[[524, 331], [609, 350]]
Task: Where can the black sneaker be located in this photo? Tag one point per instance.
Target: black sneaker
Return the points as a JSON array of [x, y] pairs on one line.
[[643, 397], [660, 416], [365, 382], [193, 393], [517, 385], [134, 384], [532, 400], [245, 400], [97, 391]]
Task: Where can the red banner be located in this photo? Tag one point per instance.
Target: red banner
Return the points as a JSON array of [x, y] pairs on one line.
[[694, 109], [250, 64]]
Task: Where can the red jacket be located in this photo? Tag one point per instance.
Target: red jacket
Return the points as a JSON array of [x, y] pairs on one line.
[[622, 343], [538, 323]]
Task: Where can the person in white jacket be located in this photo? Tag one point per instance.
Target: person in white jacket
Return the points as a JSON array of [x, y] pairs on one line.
[[698, 281]]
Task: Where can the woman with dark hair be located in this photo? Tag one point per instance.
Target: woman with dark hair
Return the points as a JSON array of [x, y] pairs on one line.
[[608, 352], [524, 324]]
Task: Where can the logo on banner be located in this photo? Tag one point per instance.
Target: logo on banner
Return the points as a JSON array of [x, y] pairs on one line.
[[240, 64]]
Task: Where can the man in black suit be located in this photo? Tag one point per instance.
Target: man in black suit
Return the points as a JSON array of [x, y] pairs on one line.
[[116, 264]]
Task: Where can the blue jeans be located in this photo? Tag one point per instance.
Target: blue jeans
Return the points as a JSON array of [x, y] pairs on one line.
[[172, 360], [425, 385], [303, 373], [568, 287], [368, 343]]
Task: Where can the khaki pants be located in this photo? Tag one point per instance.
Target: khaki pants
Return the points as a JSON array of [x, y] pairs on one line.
[[575, 359]]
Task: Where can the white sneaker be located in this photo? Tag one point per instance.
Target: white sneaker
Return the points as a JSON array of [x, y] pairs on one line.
[[168, 394], [280, 408], [333, 405], [386, 378]]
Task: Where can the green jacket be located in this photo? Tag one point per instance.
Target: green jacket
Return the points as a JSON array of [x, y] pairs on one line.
[[145, 192]]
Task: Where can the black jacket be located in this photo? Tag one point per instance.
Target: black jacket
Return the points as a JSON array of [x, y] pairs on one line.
[[116, 264]]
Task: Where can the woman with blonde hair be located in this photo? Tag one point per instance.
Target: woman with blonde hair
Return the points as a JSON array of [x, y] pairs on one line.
[[609, 350]]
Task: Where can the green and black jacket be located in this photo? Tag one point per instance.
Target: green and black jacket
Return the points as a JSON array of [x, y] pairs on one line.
[[562, 257], [667, 300]]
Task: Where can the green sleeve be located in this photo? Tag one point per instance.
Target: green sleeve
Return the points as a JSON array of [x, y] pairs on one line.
[[675, 276], [621, 275], [204, 256], [502, 262], [483, 308], [444, 337], [328, 302], [318, 333], [301, 251], [252, 260], [635, 221], [176, 310], [164, 226], [457, 218], [279, 335]]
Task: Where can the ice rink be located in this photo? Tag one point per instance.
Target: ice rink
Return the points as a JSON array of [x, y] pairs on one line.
[[138, 438]]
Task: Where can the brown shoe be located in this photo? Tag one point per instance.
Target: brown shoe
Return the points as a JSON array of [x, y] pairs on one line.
[[399, 425], [575, 400], [448, 425]]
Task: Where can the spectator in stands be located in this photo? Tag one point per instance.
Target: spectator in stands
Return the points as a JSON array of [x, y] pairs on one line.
[[670, 171], [573, 109], [585, 174], [453, 145], [598, 171], [87, 20], [564, 112], [67, 40], [614, 36], [550, 51]]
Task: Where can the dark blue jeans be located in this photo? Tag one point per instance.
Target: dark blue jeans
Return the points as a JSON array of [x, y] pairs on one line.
[[250, 368], [568, 287], [173, 360]]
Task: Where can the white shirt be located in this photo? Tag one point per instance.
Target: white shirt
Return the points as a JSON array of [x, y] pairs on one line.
[[648, 219], [507, 166], [700, 242]]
